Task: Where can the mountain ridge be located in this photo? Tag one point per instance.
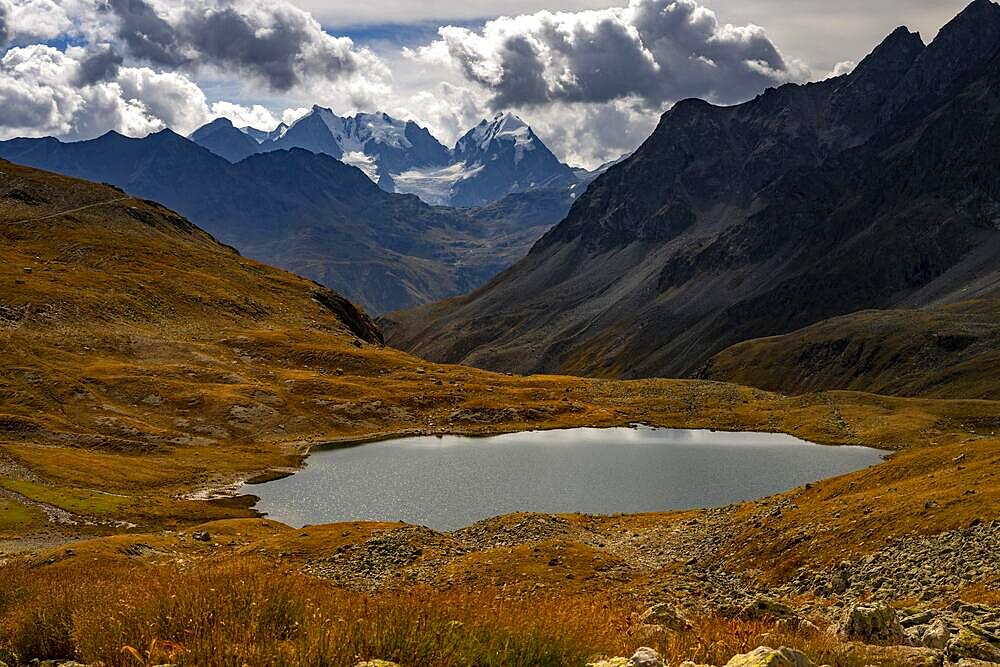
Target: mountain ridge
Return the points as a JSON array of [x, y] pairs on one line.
[[732, 223], [498, 157], [308, 213]]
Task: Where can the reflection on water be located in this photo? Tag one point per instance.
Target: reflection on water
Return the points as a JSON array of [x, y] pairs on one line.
[[451, 481]]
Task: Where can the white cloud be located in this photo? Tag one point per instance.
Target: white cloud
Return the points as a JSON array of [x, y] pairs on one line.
[[405, 11], [841, 68], [30, 20], [136, 71], [652, 50], [172, 98], [6, 9], [39, 96], [254, 116], [289, 116]]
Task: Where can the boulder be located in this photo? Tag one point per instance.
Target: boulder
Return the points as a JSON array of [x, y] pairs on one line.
[[975, 643], [767, 609], [916, 617], [839, 583], [762, 656], [872, 624], [643, 657], [936, 635], [665, 615]]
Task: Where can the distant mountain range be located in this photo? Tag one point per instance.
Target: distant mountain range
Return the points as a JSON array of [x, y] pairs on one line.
[[498, 157], [874, 190], [311, 213]]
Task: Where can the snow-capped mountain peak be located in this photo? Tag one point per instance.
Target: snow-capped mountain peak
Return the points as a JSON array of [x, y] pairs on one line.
[[477, 145], [499, 156]]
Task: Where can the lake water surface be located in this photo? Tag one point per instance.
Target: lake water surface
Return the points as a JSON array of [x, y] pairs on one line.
[[453, 481]]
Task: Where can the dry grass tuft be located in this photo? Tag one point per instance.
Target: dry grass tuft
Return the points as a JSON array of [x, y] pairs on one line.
[[238, 611]]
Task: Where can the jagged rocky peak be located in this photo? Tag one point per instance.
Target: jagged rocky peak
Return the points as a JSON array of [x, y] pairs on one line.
[[860, 99], [893, 56], [961, 47]]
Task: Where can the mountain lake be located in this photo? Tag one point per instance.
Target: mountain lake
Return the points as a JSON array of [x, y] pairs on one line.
[[448, 482]]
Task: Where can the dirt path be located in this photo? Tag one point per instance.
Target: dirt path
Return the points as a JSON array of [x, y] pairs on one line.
[[72, 210]]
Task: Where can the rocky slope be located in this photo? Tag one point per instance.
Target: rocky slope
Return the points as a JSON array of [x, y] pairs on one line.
[[871, 190], [311, 214]]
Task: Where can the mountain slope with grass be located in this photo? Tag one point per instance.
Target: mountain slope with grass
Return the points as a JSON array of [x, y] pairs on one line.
[[946, 351]]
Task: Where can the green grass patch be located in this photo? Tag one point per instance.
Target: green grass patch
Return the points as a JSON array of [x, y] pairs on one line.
[[15, 515], [78, 501]]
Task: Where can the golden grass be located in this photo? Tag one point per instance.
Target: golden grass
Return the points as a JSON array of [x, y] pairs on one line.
[[245, 611]]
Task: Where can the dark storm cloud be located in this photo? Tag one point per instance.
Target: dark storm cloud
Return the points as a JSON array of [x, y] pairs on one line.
[[99, 63], [146, 35], [523, 76], [654, 50], [273, 41]]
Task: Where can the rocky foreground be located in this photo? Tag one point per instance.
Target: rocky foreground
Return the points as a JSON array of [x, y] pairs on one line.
[[896, 598], [925, 601]]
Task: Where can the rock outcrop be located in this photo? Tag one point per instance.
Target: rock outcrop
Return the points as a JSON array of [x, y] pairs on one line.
[[871, 624], [769, 657], [643, 657]]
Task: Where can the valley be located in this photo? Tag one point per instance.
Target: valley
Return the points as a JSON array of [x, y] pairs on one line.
[[132, 395], [306, 388]]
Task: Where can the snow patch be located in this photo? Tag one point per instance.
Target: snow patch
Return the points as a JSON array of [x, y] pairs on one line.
[[433, 185], [365, 163]]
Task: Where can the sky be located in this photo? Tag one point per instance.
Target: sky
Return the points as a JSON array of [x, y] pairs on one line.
[[590, 76]]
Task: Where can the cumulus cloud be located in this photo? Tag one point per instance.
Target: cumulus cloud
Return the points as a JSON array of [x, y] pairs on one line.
[[39, 95], [33, 20], [291, 115], [655, 51], [170, 97], [255, 116], [273, 42], [132, 65], [591, 134], [841, 68]]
